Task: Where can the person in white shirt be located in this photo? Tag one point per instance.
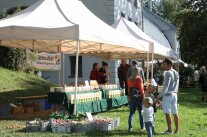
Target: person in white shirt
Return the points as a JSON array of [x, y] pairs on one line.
[[148, 116], [169, 96]]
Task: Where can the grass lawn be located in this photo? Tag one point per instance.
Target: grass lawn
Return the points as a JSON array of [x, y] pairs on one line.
[[193, 112], [14, 84], [193, 121]]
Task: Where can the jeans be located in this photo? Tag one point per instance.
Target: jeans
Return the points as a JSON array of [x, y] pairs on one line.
[[150, 128], [132, 107]]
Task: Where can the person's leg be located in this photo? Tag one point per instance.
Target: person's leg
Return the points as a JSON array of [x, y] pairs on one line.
[[175, 113], [139, 107], [202, 93], [121, 83], [126, 87], [176, 120], [205, 96], [166, 106], [148, 126], [169, 121], [132, 109]]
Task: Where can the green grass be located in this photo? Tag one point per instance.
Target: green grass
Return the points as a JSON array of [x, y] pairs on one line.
[[192, 112], [14, 84]]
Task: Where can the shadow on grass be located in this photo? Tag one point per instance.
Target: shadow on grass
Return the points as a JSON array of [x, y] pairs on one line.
[[29, 87], [114, 133]]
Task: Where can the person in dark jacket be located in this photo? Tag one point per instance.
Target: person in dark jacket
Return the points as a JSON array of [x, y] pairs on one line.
[[202, 83], [122, 75], [104, 74]]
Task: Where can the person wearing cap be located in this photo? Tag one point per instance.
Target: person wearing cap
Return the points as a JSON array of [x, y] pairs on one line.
[[148, 116], [135, 64], [104, 73], [169, 95], [122, 75]]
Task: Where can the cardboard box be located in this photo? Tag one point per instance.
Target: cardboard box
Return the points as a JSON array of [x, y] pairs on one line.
[[28, 110], [16, 110]]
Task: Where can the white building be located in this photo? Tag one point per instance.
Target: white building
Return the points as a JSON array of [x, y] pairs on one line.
[[109, 11]]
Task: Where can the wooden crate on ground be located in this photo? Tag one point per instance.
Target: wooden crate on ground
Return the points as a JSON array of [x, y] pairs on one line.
[[16, 110]]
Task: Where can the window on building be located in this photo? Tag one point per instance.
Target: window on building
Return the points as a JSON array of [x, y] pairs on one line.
[[130, 19], [135, 4], [73, 64], [129, 1], [123, 14]]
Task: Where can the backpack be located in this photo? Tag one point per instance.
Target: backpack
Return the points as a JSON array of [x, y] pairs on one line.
[[135, 94]]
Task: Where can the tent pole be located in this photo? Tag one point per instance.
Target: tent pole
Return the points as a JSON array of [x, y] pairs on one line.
[[76, 77], [59, 72], [152, 69], [63, 73], [147, 66]]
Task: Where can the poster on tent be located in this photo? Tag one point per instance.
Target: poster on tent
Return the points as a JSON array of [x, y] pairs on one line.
[[44, 60]]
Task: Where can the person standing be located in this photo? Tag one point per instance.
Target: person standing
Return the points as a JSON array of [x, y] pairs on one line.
[[141, 71], [169, 96], [95, 74], [148, 115], [135, 81], [104, 74], [122, 75], [196, 77], [203, 82]]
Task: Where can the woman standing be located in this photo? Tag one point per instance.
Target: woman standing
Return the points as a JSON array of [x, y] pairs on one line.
[[202, 82], [95, 74], [135, 81]]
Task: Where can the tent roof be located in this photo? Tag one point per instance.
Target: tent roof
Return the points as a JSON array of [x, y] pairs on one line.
[[130, 28], [50, 24]]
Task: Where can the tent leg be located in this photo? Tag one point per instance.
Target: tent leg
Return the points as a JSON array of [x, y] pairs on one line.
[[152, 69], [76, 78], [147, 66], [63, 74]]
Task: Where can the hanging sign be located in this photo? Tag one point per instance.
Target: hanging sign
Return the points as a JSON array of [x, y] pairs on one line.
[[44, 60]]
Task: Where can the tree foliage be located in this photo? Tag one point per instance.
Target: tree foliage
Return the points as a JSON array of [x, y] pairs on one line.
[[190, 17], [12, 58], [192, 33]]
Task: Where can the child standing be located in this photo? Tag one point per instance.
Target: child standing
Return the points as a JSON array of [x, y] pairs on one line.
[[151, 92], [148, 116]]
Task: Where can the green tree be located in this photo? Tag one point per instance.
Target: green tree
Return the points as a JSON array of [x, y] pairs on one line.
[[191, 21], [190, 17], [12, 58]]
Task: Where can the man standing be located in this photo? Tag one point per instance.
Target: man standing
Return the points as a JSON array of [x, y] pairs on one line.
[[122, 75], [141, 71], [169, 95]]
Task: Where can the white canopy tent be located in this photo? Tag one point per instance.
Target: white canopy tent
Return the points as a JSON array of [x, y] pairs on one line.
[[158, 51], [67, 26], [48, 24]]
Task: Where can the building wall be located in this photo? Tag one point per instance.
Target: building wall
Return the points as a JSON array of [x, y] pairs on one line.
[[110, 10]]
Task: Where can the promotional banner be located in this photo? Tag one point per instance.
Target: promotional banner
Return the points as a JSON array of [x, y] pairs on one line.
[[44, 60]]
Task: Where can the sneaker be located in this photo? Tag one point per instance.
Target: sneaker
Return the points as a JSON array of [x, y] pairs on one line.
[[176, 132], [167, 132], [130, 130], [143, 129]]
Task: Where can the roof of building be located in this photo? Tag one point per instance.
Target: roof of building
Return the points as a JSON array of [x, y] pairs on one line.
[[157, 20]]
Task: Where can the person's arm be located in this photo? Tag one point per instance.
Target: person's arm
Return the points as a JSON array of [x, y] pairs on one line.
[[166, 84]]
